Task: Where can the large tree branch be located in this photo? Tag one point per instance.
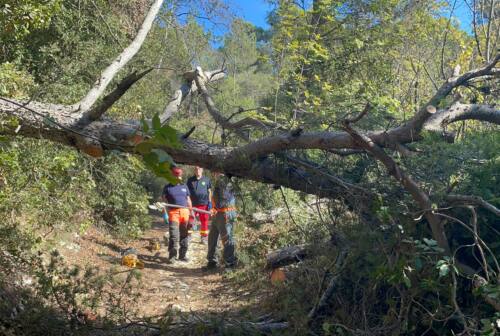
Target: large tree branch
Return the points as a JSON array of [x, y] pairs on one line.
[[187, 87], [119, 62], [237, 126], [260, 148], [200, 80], [252, 160], [473, 200], [420, 197], [249, 152], [58, 124], [415, 125], [458, 111]]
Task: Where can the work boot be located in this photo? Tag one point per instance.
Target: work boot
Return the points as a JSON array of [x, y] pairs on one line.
[[211, 265]]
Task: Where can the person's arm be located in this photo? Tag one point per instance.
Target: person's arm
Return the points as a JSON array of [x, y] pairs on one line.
[[188, 195], [163, 197], [210, 205], [209, 188]]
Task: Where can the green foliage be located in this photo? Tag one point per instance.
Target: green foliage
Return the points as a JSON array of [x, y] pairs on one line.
[[70, 191], [156, 159], [122, 202], [15, 83], [334, 57], [49, 195], [62, 299], [20, 17]]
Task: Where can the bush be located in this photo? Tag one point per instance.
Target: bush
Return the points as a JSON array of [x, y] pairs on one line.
[[122, 201]]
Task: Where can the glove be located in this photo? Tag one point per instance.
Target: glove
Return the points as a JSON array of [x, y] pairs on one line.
[[209, 206], [165, 217]]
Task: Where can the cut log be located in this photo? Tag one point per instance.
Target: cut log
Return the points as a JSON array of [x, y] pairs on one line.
[[266, 217], [286, 256]]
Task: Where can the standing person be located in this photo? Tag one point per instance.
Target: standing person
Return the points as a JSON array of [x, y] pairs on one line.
[[223, 222], [200, 189], [177, 194]]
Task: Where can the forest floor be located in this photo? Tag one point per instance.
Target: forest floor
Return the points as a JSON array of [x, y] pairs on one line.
[[183, 286]]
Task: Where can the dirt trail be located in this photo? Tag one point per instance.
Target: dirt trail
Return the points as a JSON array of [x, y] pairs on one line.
[[182, 286]]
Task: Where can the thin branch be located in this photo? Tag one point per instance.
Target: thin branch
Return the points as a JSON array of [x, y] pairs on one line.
[[320, 308], [108, 101], [200, 80], [406, 181], [360, 115], [445, 37], [488, 30], [107, 25], [289, 210], [474, 25], [479, 239], [473, 200], [473, 224], [430, 77]]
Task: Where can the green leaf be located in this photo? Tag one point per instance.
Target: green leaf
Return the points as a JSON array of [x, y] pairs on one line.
[[358, 43], [145, 126], [49, 121], [169, 134], [151, 160], [430, 242], [162, 155], [144, 147], [156, 122]]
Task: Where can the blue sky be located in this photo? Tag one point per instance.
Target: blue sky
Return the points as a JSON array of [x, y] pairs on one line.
[[255, 11]]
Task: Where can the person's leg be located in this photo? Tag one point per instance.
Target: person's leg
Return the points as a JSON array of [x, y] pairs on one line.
[[192, 221], [173, 239], [213, 237], [203, 222], [227, 237], [183, 233], [173, 234], [184, 241]]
